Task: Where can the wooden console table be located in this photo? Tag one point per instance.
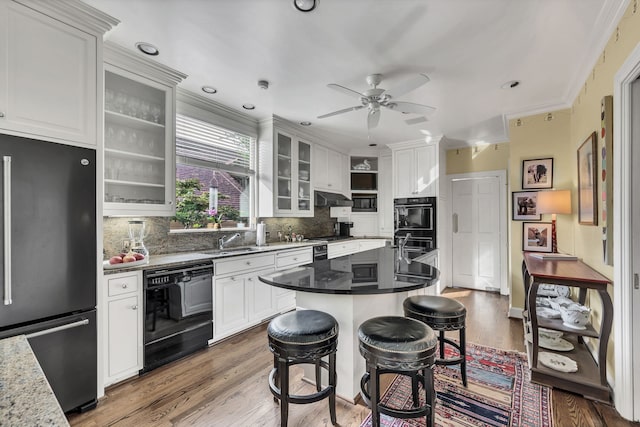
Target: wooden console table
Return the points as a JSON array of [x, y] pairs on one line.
[[590, 380]]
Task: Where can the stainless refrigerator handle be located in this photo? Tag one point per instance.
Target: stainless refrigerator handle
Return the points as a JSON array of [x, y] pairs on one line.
[[6, 160], [455, 222], [59, 328]]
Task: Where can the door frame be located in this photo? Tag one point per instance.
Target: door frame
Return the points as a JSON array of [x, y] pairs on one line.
[[504, 240], [623, 304]]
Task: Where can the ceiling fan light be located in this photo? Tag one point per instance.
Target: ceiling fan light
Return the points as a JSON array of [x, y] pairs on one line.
[[305, 5]]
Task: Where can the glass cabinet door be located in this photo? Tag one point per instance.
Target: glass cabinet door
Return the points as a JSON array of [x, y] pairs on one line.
[[304, 177], [284, 171], [135, 143]]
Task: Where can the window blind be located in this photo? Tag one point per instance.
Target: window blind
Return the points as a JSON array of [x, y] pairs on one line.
[[203, 144]]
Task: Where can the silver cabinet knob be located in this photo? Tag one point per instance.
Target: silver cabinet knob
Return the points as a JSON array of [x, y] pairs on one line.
[[1, 113], [124, 286], [248, 262], [170, 202], [135, 307]]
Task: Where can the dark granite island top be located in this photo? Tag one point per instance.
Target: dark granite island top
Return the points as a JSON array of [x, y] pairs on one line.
[[377, 271], [352, 289]]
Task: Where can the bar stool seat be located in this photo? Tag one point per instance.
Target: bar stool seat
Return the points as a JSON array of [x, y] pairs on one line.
[[399, 345], [299, 337], [442, 314]]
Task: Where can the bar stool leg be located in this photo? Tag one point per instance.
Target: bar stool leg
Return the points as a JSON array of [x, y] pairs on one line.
[[318, 375], [283, 373], [276, 378], [414, 389], [463, 355], [441, 342], [374, 392], [430, 394], [332, 383]]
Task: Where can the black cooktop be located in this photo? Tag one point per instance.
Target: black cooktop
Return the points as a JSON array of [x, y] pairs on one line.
[[333, 237]]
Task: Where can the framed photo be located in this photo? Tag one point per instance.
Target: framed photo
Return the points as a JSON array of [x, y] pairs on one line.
[[537, 173], [536, 236], [587, 188], [524, 206]]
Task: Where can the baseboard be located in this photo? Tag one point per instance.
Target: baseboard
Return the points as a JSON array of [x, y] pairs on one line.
[[515, 312]]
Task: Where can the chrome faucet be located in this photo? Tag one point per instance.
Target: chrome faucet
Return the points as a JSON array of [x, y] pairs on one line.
[[222, 241]]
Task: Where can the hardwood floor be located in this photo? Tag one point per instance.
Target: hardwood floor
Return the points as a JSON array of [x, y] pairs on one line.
[[226, 385]]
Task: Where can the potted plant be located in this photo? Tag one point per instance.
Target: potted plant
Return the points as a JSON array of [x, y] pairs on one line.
[[214, 218]]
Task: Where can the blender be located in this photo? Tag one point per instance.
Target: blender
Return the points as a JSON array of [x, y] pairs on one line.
[[137, 233]]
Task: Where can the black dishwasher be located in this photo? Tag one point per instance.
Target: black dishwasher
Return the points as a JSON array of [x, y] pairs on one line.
[[178, 312]]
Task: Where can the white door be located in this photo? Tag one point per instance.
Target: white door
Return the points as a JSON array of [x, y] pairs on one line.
[[635, 221], [475, 257]]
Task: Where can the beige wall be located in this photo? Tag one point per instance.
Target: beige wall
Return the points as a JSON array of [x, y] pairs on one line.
[[478, 159]]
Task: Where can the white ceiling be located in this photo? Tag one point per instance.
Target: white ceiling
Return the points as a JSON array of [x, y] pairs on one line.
[[468, 48]]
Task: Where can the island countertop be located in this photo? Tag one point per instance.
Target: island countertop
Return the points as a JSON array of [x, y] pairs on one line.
[[377, 271], [26, 398]]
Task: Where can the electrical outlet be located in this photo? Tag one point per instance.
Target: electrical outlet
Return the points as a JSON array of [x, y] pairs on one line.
[[126, 245]]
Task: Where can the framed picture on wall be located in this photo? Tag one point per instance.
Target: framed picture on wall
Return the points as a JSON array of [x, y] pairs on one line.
[[587, 188], [537, 173], [524, 206], [536, 236]]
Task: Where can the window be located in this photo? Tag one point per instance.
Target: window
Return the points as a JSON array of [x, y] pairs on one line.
[[214, 170]]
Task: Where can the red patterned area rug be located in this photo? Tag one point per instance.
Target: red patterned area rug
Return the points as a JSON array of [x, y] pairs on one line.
[[499, 393]]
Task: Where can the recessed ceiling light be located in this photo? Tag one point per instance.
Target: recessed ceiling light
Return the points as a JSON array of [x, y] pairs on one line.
[[305, 5], [305, 123], [511, 84], [248, 106], [148, 48], [209, 89]]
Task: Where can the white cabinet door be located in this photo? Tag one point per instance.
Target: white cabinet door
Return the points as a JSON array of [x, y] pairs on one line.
[[329, 169], [404, 174], [425, 171], [123, 337], [385, 197], [336, 171], [48, 85], [261, 301], [231, 311]]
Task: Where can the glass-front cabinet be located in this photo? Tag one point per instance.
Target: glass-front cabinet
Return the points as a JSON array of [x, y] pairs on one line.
[[285, 187], [139, 140]]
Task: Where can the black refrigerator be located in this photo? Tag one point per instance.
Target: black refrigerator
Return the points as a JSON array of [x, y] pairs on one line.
[[48, 261]]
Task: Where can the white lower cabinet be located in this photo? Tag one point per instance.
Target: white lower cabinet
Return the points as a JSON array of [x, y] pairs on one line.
[[261, 301], [124, 341], [231, 308]]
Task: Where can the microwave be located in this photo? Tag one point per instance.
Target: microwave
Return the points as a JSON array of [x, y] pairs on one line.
[[364, 181], [364, 202]]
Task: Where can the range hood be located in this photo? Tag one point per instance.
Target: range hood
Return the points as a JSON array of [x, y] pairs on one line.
[[325, 199]]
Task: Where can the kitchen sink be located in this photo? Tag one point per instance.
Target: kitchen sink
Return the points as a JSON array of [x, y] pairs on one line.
[[230, 251]]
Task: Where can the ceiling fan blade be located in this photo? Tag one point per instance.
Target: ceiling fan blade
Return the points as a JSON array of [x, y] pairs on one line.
[[407, 86], [345, 110], [345, 90], [373, 118], [410, 107]]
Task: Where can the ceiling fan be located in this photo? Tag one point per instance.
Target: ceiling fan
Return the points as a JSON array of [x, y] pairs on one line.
[[375, 98]]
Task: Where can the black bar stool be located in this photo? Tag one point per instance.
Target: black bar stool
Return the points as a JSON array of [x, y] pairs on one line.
[[398, 345], [441, 314], [299, 337]]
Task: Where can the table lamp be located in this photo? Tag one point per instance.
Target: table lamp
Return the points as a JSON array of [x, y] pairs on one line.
[[553, 202]]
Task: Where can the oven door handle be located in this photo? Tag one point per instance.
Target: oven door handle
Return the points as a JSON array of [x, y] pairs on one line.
[[414, 206]]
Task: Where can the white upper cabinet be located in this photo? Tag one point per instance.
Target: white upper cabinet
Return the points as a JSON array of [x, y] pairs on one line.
[[139, 135], [415, 170], [329, 169], [285, 173], [49, 83]]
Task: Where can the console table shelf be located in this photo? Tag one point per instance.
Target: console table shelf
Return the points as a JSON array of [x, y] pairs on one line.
[[591, 379]]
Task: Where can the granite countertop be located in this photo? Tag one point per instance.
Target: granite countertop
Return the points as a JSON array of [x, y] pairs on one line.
[[26, 398], [180, 258], [376, 271]]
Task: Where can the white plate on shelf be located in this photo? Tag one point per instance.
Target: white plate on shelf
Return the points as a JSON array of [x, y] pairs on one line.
[[557, 344], [576, 327], [548, 313], [557, 362], [107, 266]]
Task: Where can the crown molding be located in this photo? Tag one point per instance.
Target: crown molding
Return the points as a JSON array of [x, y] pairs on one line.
[[74, 13], [130, 60]]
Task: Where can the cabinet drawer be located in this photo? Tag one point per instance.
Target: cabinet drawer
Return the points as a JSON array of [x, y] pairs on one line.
[[294, 258], [241, 264], [340, 249], [122, 285]]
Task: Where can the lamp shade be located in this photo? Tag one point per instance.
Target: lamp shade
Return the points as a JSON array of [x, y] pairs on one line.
[[553, 202]]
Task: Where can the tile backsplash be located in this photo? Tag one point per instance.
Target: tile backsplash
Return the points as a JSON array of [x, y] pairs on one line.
[[160, 240]]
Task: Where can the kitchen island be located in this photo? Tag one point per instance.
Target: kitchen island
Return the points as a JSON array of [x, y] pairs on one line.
[[352, 289]]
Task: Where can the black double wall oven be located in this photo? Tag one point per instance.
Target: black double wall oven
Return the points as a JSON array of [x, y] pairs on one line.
[[178, 312], [415, 217]]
